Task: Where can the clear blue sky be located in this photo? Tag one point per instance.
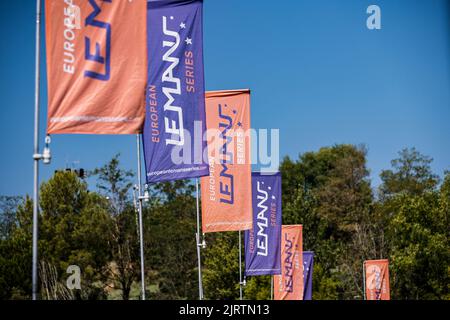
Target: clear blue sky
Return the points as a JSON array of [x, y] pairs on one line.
[[316, 73]]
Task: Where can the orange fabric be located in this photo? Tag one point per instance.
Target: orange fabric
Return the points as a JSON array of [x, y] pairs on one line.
[[289, 284], [227, 191], [96, 66], [377, 279]]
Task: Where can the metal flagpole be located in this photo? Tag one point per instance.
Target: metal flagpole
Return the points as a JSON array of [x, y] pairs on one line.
[[141, 232], [271, 287], [240, 267], [36, 156], [197, 236], [136, 208], [364, 282]]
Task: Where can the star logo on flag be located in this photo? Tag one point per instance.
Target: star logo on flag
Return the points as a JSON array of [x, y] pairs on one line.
[[182, 25], [239, 124], [188, 41], [273, 197]]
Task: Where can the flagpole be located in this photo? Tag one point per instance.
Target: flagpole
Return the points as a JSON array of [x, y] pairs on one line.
[[141, 231], [136, 208], [364, 282], [197, 236], [240, 266], [271, 287], [36, 156]]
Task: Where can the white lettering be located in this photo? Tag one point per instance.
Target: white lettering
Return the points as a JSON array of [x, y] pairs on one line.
[[262, 222], [172, 127], [72, 21]]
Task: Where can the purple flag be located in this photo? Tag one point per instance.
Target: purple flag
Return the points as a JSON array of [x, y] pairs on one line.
[[308, 261], [263, 241], [175, 94]]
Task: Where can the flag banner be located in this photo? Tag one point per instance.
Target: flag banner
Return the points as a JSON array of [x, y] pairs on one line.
[[377, 279], [289, 284], [226, 192], [174, 143], [263, 241], [308, 261], [96, 66]]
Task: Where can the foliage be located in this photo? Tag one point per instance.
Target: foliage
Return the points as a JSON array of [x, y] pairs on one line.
[[419, 237], [327, 191], [73, 230], [114, 184], [258, 288], [411, 174], [170, 247], [15, 256], [221, 267]]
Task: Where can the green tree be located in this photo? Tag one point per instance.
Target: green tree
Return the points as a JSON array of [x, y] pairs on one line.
[[416, 216], [329, 193], [170, 245], [221, 266], [419, 237], [15, 253], [258, 288], [411, 174], [8, 218], [114, 184], [73, 230]]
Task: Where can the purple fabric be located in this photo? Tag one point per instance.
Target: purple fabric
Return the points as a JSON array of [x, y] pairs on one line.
[[175, 95], [308, 261], [263, 242]]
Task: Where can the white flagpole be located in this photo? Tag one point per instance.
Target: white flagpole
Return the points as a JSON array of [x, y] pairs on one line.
[[36, 156], [141, 231], [240, 267], [197, 236]]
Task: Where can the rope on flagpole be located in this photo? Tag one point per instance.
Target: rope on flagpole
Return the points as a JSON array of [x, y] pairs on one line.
[[199, 245]]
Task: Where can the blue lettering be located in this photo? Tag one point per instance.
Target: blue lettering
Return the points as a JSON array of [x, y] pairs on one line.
[[288, 265], [96, 56], [227, 183]]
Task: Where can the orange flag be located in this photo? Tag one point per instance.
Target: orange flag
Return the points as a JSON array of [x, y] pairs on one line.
[[227, 191], [377, 279], [96, 66], [289, 284]]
